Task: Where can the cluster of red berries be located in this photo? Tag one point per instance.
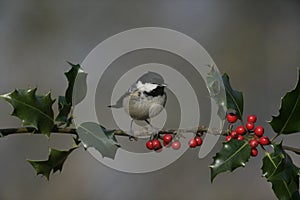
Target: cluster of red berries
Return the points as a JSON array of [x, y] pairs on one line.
[[252, 133], [195, 141], [155, 144]]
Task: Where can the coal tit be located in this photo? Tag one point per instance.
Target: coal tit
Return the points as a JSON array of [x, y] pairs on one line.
[[145, 99]]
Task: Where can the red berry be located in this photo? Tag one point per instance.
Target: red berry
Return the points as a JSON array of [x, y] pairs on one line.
[[259, 131], [231, 118], [240, 137], [156, 144], [234, 134], [250, 125], [167, 138], [264, 140], [176, 145], [228, 137], [240, 130], [193, 143], [254, 152], [251, 118], [149, 145], [198, 140], [166, 144], [253, 143]]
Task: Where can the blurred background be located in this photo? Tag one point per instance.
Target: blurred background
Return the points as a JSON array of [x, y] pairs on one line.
[[256, 42]]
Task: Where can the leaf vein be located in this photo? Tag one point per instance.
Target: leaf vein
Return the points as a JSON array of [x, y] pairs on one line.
[[238, 151], [34, 108]]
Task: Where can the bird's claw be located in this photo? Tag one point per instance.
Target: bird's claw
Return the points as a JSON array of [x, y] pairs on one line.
[[132, 138]]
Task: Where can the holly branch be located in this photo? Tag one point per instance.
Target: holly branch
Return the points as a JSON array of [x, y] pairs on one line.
[[118, 132]]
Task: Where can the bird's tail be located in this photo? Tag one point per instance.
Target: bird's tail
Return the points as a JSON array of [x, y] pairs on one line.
[[119, 103], [114, 106]]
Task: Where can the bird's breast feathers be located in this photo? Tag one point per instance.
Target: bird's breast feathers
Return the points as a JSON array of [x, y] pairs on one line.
[[141, 107]]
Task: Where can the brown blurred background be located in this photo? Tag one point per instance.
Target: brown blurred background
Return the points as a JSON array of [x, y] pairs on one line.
[[256, 42]]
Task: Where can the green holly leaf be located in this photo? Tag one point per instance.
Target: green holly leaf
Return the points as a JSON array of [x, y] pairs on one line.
[[79, 87], [234, 154], [93, 135], [76, 79], [35, 111], [71, 77], [216, 90], [284, 191], [214, 82], [54, 162], [110, 135], [278, 168], [288, 120], [234, 98], [64, 109]]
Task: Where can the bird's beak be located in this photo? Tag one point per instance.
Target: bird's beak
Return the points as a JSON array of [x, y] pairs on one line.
[[164, 85]]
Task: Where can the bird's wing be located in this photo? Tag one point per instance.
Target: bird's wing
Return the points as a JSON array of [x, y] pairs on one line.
[[119, 103]]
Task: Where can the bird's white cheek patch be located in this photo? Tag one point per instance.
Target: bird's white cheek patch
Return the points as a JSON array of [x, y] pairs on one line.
[[147, 87]]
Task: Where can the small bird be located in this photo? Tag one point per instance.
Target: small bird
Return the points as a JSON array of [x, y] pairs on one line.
[[145, 99]]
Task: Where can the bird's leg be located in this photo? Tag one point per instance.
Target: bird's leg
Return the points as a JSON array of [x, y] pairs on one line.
[[131, 134], [131, 130]]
